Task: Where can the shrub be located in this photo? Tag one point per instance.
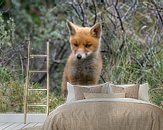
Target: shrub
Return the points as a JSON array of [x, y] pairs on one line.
[[12, 95]]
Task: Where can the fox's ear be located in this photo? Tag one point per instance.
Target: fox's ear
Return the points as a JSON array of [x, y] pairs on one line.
[[71, 28], [96, 30]]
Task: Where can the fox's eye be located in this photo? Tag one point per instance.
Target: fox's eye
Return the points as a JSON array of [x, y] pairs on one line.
[[87, 45], [76, 45]]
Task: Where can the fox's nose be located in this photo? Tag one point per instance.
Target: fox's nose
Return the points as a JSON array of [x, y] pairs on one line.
[[79, 56]]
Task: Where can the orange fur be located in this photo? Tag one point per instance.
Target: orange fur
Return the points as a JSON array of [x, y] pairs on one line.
[[84, 63]]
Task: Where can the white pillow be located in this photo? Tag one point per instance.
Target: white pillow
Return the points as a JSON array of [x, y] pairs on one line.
[[143, 92], [71, 94]]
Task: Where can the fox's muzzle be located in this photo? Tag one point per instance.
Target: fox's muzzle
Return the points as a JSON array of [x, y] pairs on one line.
[[79, 56]]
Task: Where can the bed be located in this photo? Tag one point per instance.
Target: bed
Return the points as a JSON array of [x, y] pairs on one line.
[[106, 113]]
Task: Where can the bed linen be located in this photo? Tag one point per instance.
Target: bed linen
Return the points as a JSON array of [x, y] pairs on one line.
[[105, 114]]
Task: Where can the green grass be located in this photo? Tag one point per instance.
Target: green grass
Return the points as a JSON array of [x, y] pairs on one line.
[[12, 95]]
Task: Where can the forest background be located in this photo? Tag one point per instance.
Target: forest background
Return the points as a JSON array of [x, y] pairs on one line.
[[132, 45]]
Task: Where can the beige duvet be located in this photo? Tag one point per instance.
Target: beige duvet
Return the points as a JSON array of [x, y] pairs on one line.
[[105, 114]]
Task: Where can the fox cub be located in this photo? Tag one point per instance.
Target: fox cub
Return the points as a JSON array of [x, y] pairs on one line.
[[84, 63]]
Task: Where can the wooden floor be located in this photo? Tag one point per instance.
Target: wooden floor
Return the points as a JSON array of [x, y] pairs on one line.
[[17, 126], [9, 121]]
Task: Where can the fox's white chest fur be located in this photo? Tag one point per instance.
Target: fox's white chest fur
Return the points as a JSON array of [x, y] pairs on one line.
[[84, 72], [84, 68]]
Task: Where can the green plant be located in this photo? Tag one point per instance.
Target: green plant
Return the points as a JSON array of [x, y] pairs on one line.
[[7, 32], [5, 75], [12, 95], [136, 64]]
